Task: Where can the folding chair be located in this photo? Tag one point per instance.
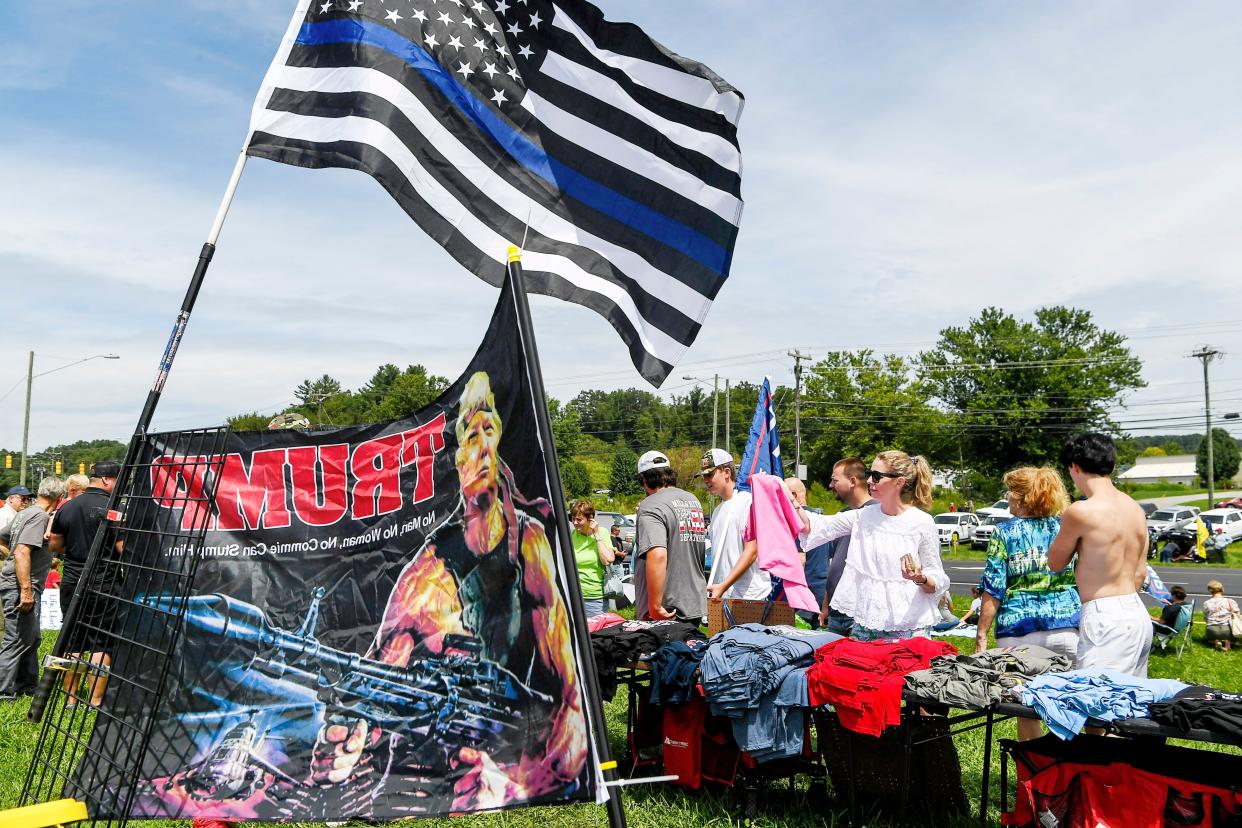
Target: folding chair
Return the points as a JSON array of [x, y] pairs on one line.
[[1164, 636]]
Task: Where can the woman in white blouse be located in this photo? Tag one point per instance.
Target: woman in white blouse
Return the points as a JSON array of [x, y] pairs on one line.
[[893, 576]]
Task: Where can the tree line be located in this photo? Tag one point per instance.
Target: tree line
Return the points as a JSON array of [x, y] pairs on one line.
[[992, 393]]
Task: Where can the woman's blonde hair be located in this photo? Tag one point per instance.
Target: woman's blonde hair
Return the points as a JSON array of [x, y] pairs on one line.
[[1039, 492], [917, 474], [1215, 586]]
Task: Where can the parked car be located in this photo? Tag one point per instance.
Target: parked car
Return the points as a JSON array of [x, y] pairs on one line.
[[628, 527], [1000, 507], [1162, 519], [1224, 521], [1235, 503], [955, 527], [1179, 542], [983, 532]]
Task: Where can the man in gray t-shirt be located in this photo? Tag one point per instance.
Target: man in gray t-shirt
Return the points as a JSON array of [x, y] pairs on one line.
[[668, 546], [26, 564]]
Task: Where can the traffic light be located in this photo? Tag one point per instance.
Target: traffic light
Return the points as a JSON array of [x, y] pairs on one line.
[[81, 468], [8, 461], [60, 467]]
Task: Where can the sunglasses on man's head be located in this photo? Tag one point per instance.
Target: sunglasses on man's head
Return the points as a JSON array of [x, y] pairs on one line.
[[874, 476]]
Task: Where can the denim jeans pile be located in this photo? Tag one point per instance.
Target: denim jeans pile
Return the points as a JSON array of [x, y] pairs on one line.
[[756, 676]]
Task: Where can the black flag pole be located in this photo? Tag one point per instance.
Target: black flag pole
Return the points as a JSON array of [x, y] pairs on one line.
[[582, 636], [49, 677]]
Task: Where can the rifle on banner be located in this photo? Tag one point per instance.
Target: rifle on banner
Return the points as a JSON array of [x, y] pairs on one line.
[[454, 699]]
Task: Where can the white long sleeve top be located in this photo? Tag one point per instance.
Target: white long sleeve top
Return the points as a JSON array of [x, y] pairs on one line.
[[872, 590]]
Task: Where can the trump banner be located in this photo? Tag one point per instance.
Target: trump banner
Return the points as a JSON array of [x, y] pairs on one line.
[[379, 626]]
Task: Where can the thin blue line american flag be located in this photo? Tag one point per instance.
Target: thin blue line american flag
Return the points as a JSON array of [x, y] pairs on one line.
[[492, 121]]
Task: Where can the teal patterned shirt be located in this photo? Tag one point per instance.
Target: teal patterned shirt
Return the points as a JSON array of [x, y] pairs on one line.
[[1032, 597]]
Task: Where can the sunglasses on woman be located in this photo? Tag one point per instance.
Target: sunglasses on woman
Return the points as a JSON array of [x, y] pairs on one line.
[[874, 476]]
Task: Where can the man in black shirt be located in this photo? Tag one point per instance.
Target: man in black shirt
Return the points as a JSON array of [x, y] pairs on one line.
[[73, 531], [618, 545]]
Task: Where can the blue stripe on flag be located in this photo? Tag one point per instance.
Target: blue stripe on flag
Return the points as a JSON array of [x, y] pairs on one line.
[[629, 212]]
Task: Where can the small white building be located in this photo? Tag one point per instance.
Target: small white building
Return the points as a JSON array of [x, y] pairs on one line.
[[1173, 468]]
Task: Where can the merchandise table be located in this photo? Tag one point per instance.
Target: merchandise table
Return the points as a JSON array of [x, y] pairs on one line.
[[849, 761], [924, 721], [635, 677], [917, 712]]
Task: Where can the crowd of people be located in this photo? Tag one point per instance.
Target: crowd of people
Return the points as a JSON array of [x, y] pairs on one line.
[[45, 539], [1062, 575]]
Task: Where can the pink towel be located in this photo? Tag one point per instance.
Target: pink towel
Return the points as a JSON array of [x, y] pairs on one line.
[[775, 525]]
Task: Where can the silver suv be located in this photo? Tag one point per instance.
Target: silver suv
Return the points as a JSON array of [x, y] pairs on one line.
[[606, 521], [1169, 515]]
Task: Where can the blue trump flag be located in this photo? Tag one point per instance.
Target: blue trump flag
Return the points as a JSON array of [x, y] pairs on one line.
[[763, 448]]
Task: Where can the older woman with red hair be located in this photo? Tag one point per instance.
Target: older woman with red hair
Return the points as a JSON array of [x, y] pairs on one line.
[[1029, 602]]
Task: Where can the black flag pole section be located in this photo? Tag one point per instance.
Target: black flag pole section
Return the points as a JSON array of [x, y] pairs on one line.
[[582, 636], [62, 741], [50, 677]]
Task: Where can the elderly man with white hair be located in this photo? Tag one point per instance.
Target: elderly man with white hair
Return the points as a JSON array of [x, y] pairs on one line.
[[17, 499]]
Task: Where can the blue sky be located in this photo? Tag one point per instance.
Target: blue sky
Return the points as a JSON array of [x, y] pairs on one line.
[[907, 163]]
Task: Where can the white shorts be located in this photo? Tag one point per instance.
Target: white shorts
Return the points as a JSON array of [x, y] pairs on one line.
[[1062, 642], [1114, 634]]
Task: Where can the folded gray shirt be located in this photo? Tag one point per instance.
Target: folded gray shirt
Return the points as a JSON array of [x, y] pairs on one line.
[[985, 678]]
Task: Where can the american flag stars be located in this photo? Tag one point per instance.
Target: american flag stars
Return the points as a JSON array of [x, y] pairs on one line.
[[473, 39], [503, 117]]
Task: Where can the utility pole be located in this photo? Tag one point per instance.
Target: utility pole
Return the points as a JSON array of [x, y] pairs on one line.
[[30, 375], [1207, 354], [728, 432], [26, 425], [715, 406], [798, 357], [715, 402]]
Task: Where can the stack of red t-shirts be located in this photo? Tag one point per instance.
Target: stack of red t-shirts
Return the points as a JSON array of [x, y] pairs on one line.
[[863, 679]]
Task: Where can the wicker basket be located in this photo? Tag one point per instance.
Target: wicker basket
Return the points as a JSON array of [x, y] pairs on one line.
[[747, 612]]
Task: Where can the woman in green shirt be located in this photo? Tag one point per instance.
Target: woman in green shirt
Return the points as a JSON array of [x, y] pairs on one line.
[[592, 552]]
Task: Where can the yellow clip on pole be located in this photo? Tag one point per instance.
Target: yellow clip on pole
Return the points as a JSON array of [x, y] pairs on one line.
[[61, 812], [515, 255]]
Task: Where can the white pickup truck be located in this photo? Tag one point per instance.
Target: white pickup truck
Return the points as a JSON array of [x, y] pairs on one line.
[[983, 533], [956, 527]]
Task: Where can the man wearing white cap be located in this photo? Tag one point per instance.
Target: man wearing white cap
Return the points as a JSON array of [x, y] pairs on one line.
[[18, 498], [728, 521], [668, 546]]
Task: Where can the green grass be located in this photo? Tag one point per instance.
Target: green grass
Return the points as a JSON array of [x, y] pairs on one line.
[[1203, 504], [1233, 557], [1233, 560], [1147, 491], [665, 806]]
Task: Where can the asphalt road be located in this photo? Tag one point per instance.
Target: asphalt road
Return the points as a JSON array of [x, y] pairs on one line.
[[965, 574], [1176, 499]]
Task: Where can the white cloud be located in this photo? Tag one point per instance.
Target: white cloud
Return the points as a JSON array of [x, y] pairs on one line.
[[909, 168]]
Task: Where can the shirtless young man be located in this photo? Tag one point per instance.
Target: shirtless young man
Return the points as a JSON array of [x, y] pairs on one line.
[[1108, 530]]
